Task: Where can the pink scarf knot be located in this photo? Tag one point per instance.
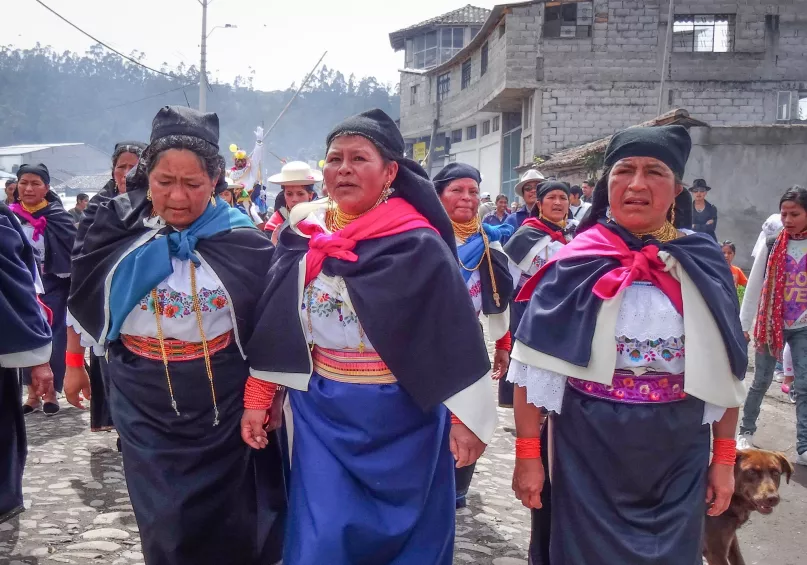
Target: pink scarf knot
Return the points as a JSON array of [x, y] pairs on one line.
[[636, 266], [324, 245], [39, 224]]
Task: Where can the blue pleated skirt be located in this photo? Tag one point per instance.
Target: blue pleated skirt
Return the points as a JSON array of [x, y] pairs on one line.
[[372, 478]]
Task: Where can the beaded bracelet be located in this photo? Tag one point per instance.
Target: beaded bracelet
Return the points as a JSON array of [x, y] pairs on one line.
[[724, 451], [528, 448], [455, 420]]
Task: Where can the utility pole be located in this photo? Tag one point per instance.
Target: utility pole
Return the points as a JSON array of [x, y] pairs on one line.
[[203, 66], [666, 60]]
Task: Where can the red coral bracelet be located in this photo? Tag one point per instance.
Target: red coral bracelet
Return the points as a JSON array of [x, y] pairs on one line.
[[505, 343], [528, 448], [724, 451], [258, 394], [74, 359], [455, 420]]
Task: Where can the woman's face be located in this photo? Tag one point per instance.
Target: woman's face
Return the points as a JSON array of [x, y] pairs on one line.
[[501, 205], [180, 187], [728, 254], [296, 194], [355, 173], [794, 217], [227, 196], [699, 196], [461, 200], [31, 189], [555, 206], [125, 163], [641, 191], [10, 191]]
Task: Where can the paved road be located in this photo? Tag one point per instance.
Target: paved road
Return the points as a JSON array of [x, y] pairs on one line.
[[79, 511]]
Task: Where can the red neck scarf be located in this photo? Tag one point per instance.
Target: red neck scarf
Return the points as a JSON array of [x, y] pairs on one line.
[[769, 331], [643, 265], [551, 232], [39, 224], [393, 217]]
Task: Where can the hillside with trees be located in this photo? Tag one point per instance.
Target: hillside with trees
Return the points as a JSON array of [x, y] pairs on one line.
[[100, 98]]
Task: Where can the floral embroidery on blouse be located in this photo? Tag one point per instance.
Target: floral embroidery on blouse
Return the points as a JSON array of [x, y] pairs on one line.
[[323, 305], [476, 288], [179, 305], [642, 352]]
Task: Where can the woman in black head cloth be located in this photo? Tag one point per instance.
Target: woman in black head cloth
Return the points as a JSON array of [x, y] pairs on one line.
[[94, 384], [387, 343], [483, 265], [166, 282], [601, 346], [51, 232]]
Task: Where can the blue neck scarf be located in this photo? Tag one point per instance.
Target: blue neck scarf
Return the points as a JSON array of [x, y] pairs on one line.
[[150, 264], [470, 252]]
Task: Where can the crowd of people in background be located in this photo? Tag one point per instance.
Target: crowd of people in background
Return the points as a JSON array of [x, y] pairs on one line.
[[310, 381]]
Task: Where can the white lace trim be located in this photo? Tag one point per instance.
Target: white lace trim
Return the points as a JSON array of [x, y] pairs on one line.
[[544, 388], [647, 314]]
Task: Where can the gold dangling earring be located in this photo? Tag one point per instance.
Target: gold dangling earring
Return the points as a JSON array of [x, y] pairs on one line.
[[385, 194], [213, 200], [672, 215], [148, 195]]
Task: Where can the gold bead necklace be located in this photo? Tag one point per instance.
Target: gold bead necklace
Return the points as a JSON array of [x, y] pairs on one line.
[[158, 310], [36, 208], [665, 233], [465, 230], [336, 219]]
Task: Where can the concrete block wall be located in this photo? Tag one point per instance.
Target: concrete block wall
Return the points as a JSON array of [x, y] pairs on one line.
[[523, 45]]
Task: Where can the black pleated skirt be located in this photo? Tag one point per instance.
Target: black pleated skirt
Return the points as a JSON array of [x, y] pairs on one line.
[[13, 446], [200, 495], [628, 483]]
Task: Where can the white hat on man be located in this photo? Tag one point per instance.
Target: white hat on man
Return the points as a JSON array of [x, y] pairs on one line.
[[530, 176], [296, 173]]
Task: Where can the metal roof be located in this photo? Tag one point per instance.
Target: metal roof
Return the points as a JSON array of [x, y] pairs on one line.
[[467, 15], [84, 182], [24, 149]]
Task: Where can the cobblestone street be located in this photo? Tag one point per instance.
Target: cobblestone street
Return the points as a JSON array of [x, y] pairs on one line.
[[78, 509]]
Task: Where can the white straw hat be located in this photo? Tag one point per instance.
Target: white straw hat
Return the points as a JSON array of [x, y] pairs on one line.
[[296, 173], [529, 176]]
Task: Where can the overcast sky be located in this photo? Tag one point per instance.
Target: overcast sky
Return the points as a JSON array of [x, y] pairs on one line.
[[280, 40]]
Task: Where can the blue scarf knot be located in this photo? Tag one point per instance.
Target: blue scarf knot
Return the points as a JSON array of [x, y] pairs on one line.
[[182, 244], [470, 252]]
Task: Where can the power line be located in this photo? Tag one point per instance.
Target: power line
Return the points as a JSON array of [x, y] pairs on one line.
[[136, 62], [121, 105]]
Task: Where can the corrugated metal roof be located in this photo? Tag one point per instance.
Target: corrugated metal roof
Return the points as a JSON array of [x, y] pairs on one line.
[[467, 15], [84, 182], [23, 149]]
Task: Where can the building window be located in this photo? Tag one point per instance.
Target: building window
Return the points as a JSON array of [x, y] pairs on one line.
[[783, 103], [425, 50], [485, 127], [456, 136], [443, 86], [484, 65], [568, 20], [475, 30], [470, 132], [528, 109], [466, 74], [413, 95], [496, 123], [501, 30], [451, 42], [802, 117], [703, 34], [526, 146]]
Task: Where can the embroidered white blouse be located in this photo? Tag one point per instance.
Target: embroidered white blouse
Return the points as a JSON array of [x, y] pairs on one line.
[[38, 245], [499, 324], [176, 298], [649, 335]]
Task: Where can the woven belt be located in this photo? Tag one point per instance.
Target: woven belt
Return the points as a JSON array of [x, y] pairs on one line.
[[350, 366], [175, 349], [650, 388]]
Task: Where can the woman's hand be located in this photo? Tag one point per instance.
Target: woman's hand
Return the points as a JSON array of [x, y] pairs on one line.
[[76, 383], [42, 379], [528, 481], [252, 431], [501, 360], [720, 489], [747, 336], [465, 446]]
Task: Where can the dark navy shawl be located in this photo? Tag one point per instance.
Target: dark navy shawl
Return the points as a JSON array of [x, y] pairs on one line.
[[525, 238], [562, 312], [60, 234], [24, 326], [239, 257], [412, 302], [106, 194]]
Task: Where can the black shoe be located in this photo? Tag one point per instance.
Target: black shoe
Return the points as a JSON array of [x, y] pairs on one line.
[[117, 443], [50, 408], [28, 409]]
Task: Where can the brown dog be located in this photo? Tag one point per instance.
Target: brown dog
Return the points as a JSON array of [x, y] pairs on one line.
[[756, 488]]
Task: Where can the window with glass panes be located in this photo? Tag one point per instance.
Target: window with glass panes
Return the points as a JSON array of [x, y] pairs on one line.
[[568, 20], [496, 122], [443, 86], [485, 127], [710, 33], [470, 132], [450, 42], [425, 50], [484, 61], [466, 74], [456, 136]]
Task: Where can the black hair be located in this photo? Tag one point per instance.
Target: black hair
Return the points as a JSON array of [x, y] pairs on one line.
[[500, 196], [81, 197], [122, 148], [797, 194], [730, 244], [207, 153], [9, 182], [575, 190]]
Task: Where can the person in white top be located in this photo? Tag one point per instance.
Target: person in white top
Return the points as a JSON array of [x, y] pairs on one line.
[[577, 208]]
